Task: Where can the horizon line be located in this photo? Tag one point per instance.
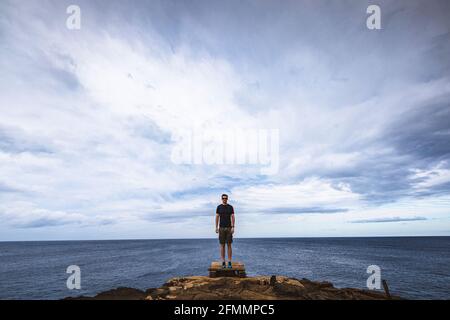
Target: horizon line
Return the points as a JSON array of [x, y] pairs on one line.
[[281, 237]]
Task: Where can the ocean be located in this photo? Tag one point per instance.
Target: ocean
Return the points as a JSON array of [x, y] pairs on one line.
[[414, 267]]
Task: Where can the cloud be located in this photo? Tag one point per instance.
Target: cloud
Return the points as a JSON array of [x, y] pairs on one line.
[[312, 195], [25, 215], [391, 219], [41, 223], [13, 140], [302, 210], [88, 117], [428, 179], [8, 189]]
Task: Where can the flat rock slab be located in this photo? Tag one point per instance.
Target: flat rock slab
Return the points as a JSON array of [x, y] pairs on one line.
[[216, 270], [217, 265]]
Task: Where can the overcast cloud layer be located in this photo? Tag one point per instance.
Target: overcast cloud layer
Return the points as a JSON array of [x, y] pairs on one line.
[[88, 117]]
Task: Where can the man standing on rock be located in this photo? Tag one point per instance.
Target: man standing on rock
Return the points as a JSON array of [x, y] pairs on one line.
[[225, 213]]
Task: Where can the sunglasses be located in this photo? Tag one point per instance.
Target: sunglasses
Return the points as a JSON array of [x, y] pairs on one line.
[[224, 198]]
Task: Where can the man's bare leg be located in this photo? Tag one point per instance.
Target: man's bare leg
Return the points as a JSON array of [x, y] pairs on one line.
[[230, 252], [222, 252]]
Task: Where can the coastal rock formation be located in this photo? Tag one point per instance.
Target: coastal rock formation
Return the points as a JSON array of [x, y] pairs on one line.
[[250, 288]]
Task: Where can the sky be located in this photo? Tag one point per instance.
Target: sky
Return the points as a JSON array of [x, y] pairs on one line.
[[90, 118]]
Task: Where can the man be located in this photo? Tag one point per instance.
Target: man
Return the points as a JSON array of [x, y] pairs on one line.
[[225, 214]]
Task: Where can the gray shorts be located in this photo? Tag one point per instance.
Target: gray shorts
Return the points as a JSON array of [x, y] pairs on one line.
[[225, 235]]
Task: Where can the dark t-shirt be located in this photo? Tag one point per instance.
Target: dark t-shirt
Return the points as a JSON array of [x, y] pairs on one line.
[[225, 212]]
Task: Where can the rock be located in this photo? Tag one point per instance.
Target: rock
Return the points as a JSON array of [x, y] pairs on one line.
[[249, 288], [120, 293], [286, 289]]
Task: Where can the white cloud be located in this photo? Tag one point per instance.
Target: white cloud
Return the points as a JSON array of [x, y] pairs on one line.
[[425, 179], [309, 193]]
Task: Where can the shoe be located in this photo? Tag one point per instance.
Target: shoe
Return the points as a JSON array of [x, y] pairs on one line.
[[223, 265], [229, 265]]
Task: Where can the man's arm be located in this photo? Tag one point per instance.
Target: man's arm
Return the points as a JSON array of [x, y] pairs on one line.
[[232, 222], [217, 223]]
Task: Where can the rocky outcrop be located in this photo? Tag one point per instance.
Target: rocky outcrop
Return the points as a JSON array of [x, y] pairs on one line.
[[250, 288]]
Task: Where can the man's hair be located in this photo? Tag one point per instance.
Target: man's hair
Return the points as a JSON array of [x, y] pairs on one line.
[[224, 195]]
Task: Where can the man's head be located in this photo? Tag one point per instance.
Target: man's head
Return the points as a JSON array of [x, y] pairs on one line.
[[224, 198]]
